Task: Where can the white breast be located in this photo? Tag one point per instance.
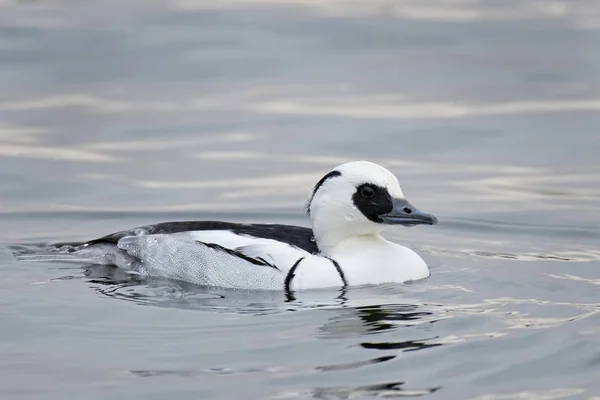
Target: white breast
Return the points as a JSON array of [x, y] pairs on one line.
[[374, 260]]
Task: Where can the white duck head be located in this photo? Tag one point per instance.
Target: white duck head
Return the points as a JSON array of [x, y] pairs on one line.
[[358, 199]]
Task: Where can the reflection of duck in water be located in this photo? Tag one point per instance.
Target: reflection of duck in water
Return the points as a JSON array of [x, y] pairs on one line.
[[361, 321], [348, 208]]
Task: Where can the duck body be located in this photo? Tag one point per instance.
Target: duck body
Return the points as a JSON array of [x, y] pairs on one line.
[[348, 209]]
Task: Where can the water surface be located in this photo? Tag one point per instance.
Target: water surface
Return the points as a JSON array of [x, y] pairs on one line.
[[118, 114]]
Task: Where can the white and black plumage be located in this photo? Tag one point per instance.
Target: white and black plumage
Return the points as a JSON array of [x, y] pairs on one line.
[[348, 209]]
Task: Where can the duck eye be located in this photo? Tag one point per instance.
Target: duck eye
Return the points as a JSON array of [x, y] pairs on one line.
[[367, 192]]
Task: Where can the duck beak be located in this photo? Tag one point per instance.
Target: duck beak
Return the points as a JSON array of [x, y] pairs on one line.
[[406, 214]]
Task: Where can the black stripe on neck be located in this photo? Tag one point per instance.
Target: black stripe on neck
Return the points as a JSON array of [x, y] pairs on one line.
[[331, 174], [290, 276], [339, 270]]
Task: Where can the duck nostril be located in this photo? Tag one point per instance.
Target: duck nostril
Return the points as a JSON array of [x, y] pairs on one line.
[[407, 210]]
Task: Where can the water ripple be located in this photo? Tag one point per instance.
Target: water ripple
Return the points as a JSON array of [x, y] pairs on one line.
[[384, 390]]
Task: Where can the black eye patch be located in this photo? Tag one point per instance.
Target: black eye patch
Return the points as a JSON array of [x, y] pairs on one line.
[[372, 201]]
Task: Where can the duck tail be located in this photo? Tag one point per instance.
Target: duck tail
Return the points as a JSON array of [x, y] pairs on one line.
[[52, 257], [92, 253], [72, 252]]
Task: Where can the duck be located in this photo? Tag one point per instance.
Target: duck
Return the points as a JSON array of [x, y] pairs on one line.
[[348, 209]]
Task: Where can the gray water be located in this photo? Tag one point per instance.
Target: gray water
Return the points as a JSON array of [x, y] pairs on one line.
[[116, 114]]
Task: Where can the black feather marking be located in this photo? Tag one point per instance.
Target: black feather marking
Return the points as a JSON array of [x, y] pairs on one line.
[[290, 276], [235, 253], [379, 203], [297, 236], [339, 270], [331, 174]]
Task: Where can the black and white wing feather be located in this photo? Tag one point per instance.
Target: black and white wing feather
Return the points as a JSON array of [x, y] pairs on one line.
[[296, 236], [260, 266]]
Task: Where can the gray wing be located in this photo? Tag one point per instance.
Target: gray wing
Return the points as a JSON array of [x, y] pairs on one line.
[[182, 258]]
